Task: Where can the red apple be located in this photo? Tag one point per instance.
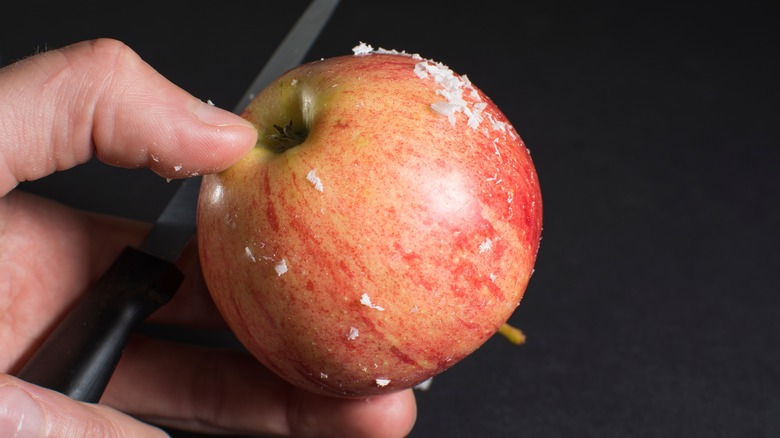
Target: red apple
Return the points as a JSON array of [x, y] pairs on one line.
[[383, 228]]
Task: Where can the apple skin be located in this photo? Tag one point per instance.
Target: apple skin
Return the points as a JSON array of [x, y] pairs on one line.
[[383, 249]]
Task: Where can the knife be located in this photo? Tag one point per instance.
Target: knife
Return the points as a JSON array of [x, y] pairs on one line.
[[81, 353]]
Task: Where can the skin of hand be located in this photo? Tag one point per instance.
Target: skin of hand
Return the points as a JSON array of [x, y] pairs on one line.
[[98, 97]]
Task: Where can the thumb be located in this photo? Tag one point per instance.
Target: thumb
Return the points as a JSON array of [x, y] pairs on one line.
[[100, 97], [30, 411]]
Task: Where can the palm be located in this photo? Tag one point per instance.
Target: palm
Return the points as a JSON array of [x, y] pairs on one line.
[[49, 254]]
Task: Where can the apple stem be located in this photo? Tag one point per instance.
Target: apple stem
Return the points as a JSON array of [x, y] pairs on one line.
[[513, 334]]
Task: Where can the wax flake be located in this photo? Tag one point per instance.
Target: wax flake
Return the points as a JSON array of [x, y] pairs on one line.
[[281, 267], [452, 88], [315, 180], [366, 301], [424, 385]]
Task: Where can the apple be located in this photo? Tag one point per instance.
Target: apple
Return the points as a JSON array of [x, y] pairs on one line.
[[383, 228]]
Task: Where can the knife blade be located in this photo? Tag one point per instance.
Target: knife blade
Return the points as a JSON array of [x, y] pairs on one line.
[[81, 353]]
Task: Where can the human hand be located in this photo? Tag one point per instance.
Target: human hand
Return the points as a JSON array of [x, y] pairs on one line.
[[99, 97]]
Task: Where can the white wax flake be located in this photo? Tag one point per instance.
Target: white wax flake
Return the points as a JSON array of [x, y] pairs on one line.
[[497, 124], [210, 102], [474, 118], [495, 148], [362, 49], [493, 277], [475, 114], [294, 82], [177, 167], [446, 109], [424, 385], [366, 49], [315, 180], [453, 87], [486, 246], [323, 375], [249, 254], [382, 382], [383, 51], [353, 333], [366, 301], [414, 309], [281, 267], [452, 90]]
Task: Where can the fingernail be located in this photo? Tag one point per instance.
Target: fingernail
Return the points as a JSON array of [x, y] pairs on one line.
[[212, 115], [20, 415]]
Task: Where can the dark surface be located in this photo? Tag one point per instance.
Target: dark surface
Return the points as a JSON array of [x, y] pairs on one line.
[[653, 311]]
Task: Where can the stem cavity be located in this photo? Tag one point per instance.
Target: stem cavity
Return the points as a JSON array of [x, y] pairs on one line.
[[287, 136]]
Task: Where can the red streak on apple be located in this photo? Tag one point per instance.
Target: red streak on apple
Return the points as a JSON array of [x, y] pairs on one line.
[[386, 241]]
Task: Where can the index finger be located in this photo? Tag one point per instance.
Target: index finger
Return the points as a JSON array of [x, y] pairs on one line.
[[101, 97]]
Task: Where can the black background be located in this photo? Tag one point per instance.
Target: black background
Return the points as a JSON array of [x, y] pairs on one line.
[[653, 311]]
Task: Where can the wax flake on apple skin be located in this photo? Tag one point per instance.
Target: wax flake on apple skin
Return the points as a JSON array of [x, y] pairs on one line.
[[281, 267], [452, 86], [425, 385], [315, 180], [249, 254], [366, 301], [486, 246]]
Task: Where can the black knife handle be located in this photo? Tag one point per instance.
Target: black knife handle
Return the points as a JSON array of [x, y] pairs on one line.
[[80, 355]]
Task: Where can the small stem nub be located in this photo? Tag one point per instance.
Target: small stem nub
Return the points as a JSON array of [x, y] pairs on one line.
[[513, 334]]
